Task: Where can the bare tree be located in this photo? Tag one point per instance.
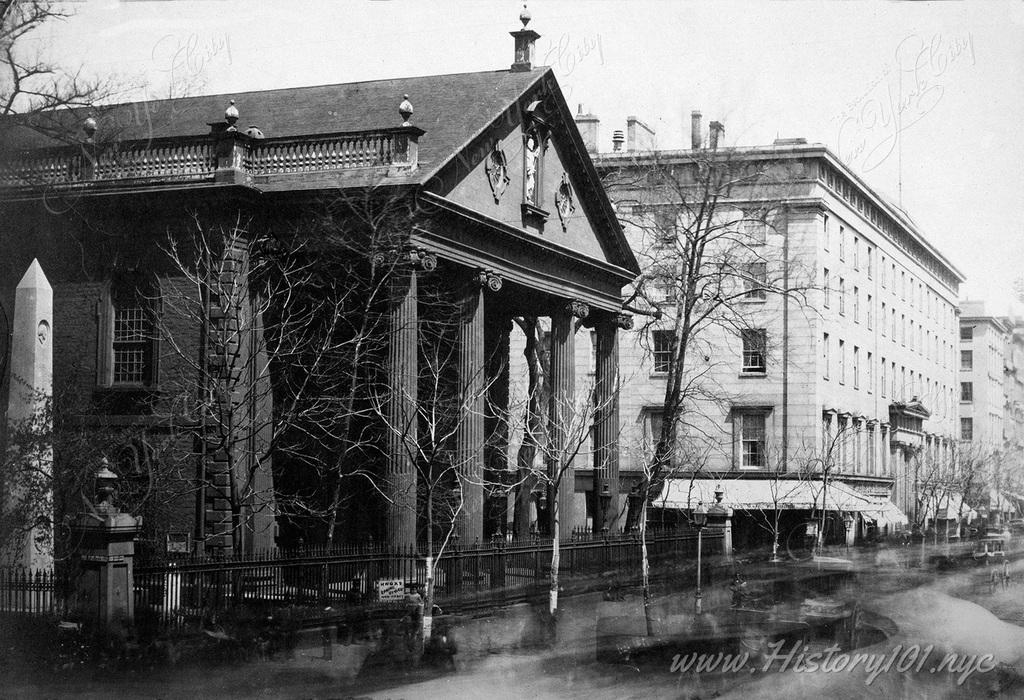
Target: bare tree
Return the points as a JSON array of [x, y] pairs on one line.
[[784, 482], [553, 441], [703, 220], [439, 404], [34, 90], [819, 469], [294, 328]]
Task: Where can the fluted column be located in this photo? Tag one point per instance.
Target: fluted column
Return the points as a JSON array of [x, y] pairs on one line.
[[401, 405], [496, 338], [562, 375], [469, 437], [606, 419]]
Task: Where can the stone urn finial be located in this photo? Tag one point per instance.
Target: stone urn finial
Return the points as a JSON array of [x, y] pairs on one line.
[[89, 127], [405, 109], [525, 16], [231, 115], [105, 480]]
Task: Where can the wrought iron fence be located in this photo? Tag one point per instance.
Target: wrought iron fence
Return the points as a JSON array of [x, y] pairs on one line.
[[25, 592], [380, 576]]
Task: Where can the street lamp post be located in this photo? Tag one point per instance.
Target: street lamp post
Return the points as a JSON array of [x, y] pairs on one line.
[[700, 518]]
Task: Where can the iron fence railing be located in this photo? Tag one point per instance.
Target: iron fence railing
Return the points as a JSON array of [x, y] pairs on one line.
[[25, 592], [379, 576]]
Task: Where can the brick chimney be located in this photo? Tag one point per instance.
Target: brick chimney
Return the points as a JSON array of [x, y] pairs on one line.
[[525, 40], [695, 130], [639, 136], [717, 130], [589, 126]]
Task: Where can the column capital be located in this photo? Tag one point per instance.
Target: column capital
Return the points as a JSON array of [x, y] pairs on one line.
[[419, 258], [576, 308], [488, 279], [609, 319], [423, 259]]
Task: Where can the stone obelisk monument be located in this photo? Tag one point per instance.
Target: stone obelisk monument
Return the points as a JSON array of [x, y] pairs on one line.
[[28, 492]]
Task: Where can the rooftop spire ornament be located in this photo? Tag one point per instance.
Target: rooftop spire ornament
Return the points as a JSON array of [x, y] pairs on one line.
[[405, 109], [231, 115], [525, 39], [89, 127]]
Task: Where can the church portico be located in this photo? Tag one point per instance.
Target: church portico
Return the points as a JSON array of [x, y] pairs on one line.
[[496, 214]]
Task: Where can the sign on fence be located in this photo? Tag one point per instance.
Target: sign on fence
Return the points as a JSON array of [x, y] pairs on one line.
[[179, 543], [390, 590]]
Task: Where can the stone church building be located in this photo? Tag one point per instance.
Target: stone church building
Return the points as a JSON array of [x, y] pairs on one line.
[[503, 216]]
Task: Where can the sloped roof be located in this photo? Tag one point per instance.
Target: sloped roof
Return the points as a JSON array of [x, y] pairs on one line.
[[451, 108]]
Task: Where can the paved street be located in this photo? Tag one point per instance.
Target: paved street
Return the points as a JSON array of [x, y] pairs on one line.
[[957, 612]]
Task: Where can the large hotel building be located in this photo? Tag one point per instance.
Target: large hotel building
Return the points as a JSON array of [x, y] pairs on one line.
[[855, 373]]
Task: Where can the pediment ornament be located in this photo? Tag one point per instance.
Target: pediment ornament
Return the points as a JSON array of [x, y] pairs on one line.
[[496, 168]]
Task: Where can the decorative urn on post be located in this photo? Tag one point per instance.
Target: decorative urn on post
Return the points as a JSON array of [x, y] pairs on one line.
[[105, 592]]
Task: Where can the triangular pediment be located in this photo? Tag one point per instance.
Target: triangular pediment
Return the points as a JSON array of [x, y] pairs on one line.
[[530, 169]]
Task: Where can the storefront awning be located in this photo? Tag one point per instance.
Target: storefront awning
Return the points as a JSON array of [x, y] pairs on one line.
[[951, 507], [766, 494], [888, 513]]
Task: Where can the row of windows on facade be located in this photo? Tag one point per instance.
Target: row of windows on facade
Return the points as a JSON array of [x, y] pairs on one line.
[[665, 220], [753, 359], [753, 452], [926, 300], [996, 360], [751, 436], [967, 426], [919, 385], [754, 278], [927, 342], [851, 193]]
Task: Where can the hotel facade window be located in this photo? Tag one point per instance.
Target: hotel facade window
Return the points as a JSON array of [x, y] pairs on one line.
[[842, 362], [825, 287], [826, 355], [842, 296], [754, 281], [966, 359], [752, 440], [967, 392], [661, 350], [967, 429], [754, 342], [755, 230]]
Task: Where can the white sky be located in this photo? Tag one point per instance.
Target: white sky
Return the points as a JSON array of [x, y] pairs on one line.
[[827, 71]]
